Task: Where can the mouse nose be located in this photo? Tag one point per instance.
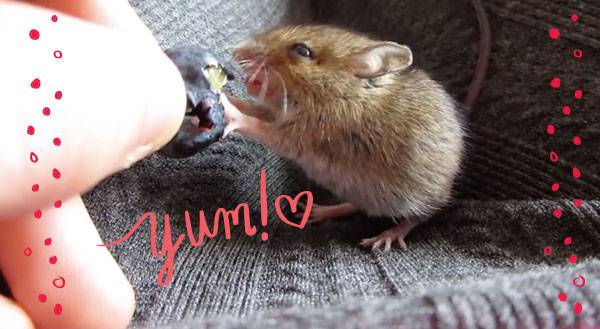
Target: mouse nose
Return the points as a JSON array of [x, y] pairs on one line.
[[247, 49]]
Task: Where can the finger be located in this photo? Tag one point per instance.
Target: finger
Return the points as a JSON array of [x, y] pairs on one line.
[[117, 14], [13, 317], [122, 99], [93, 285]]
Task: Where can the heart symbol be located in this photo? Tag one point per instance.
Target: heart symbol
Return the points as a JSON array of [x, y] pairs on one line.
[[294, 205]]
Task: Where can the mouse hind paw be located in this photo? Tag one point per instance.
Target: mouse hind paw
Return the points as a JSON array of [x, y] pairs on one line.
[[388, 237], [320, 214]]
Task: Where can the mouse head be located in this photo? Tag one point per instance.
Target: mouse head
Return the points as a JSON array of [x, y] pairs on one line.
[[297, 67]]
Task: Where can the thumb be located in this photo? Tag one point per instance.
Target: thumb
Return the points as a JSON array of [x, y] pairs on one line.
[[108, 101]]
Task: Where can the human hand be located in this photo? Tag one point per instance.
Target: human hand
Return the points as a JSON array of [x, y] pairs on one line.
[[122, 100]]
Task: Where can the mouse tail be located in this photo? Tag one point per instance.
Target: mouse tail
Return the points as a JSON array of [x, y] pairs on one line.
[[485, 45]]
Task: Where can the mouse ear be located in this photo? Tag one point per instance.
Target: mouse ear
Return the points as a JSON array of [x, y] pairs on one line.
[[383, 58]]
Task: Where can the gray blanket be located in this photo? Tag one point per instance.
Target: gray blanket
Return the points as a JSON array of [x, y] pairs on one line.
[[478, 264]]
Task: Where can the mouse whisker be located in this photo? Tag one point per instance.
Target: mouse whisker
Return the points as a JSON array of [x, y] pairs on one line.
[[253, 77], [284, 101], [264, 87]]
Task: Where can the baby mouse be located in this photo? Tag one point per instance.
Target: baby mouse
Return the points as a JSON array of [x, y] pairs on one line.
[[358, 118]]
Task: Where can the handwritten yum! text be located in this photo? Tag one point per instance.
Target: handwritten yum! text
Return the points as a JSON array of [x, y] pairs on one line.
[[229, 218]]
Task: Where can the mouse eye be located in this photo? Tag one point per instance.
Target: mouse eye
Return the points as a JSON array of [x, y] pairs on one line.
[[302, 50]]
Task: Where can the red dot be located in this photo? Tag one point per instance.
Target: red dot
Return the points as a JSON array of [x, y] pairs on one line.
[[30, 130], [46, 111], [574, 17], [264, 236], [558, 213], [58, 309], [57, 204], [48, 241], [566, 110], [58, 95], [27, 251], [35, 187], [55, 173], [42, 298], [573, 259], [555, 187], [578, 203], [58, 54], [576, 173], [37, 214], [577, 53], [550, 129], [577, 140], [56, 141], [555, 83], [53, 260], [568, 240], [33, 157], [579, 94], [554, 33], [553, 156], [577, 308], [562, 297], [54, 18], [34, 34], [36, 83], [548, 251]]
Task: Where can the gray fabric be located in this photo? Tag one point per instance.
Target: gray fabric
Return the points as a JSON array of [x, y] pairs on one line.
[[478, 264]]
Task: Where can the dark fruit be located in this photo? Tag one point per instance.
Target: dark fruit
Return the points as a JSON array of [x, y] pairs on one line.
[[204, 121]]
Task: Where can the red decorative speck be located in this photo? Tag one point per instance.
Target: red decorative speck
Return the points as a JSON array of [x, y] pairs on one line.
[[57, 204], [33, 157], [579, 94], [56, 141], [576, 173], [55, 173], [577, 140], [58, 95], [36, 84], [562, 297], [27, 252], [54, 18], [37, 214], [555, 83], [58, 309], [566, 110], [42, 298], [577, 308], [578, 203], [573, 259], [46, 111], [35, 187], [53, 260], [555, 187], [34, 34], [30, 130], [574, 18], [550, 129], [558, 213], [554, 33], [568, 240]]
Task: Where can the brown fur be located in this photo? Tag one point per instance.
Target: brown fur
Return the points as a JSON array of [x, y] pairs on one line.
[[391, 146]]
